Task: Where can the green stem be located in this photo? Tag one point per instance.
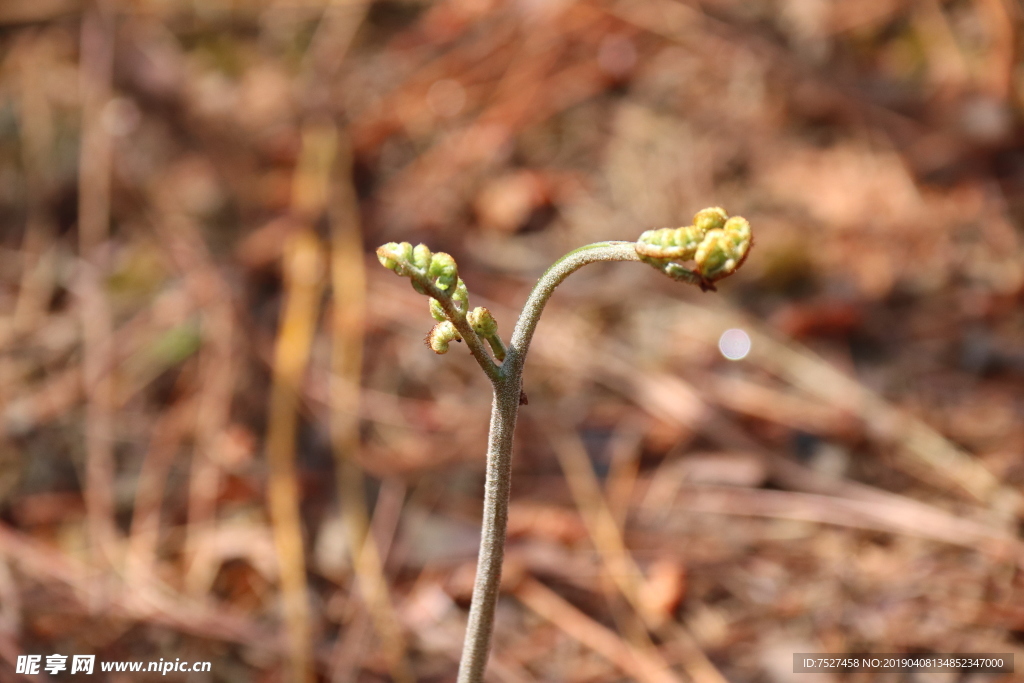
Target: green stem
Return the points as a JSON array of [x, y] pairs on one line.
[[504, 410], [498, 347]]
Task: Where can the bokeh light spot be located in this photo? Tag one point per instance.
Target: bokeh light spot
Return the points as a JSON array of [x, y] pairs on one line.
[[734, 344]]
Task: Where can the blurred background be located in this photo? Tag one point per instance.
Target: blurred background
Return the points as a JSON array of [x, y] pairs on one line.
[[222, 438]]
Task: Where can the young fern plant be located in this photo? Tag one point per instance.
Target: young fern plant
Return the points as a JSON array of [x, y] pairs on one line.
[[715, 244]]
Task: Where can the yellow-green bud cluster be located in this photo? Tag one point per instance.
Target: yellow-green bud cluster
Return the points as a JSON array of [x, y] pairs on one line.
[[418, 263], [716, 243], [438, 276]]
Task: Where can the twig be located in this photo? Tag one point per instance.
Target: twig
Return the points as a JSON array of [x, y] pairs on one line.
[[901, 516], [925, 452], [212, 298], [303, 267], [641, 666], [619, 564], [348, 280], [167, 435], [37, 133], [96, 72], [153, 602]]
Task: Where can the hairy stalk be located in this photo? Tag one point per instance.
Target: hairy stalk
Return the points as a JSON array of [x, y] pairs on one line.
[[504, 411], [477, 645], [545, 287], [716, 243]]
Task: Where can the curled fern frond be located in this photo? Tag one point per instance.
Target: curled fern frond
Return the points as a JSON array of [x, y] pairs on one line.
[[715, 242], [723, 251], [670, 243], [419, 264], [426, 271], [437, 276], [711, 218], [395, 256], [442, 267], [441, 335]]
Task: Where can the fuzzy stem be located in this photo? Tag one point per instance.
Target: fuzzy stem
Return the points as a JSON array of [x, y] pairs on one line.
[[542, 291], [504, 410]]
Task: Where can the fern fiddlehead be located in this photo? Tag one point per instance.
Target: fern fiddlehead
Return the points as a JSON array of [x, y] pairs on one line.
[[716, 243], [437, 276]]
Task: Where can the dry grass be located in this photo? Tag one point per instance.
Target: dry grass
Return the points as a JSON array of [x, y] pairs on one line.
[[222, 438]]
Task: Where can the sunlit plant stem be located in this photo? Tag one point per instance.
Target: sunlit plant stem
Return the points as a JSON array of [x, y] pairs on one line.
[[716, 243]]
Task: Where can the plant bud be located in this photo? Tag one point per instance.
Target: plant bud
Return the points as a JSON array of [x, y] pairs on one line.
[[442, 267], [712, 218], [441, 335], [723, 251], [716, 256], [460, 297], [482, 322], [738, 229], [385, 255], [421, 257], [395, 256]]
